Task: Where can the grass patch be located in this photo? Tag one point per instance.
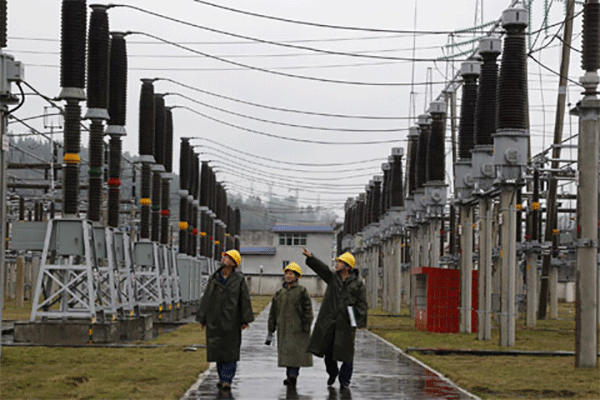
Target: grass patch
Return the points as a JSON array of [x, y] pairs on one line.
[[10, 312], [497, 376], [85, 373]]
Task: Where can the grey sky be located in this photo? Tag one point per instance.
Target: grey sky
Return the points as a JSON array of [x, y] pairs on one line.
[[34, 32]]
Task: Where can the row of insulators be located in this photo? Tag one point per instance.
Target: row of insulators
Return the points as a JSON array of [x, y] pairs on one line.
[[204, 201], [382, 194]]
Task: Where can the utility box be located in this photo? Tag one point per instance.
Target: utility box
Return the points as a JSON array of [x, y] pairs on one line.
[[437, 300]]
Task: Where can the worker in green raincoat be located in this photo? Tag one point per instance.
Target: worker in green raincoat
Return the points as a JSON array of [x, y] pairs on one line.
[[225, 310], [291, 315], [343, 310]]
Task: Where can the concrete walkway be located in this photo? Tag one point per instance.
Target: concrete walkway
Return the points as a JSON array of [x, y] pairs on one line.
[[381, 371]]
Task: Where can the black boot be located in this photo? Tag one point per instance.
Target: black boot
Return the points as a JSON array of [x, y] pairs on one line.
[[290, 381]]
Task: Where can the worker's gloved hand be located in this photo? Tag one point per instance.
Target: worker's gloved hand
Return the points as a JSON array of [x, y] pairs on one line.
[[269, 339]]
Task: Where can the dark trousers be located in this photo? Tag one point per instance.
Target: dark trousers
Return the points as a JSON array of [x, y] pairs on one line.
[[344, 373], [292, 372], [226, 371]]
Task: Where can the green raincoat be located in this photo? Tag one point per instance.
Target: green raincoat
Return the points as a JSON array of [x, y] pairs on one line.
[[223, 310], [292, 315], [333, 321]]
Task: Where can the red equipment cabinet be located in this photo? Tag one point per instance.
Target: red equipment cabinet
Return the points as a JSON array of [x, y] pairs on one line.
[[437, 299]]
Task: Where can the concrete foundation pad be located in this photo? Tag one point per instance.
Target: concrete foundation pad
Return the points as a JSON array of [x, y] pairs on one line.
[[139, 328], [75, 332]]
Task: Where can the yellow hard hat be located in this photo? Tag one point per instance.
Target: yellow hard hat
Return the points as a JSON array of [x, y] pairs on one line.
[[235, 255], [294, 267], [348, 259]]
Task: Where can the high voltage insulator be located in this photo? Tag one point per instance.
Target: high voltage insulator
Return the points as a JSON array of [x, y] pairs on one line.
[[97, 102], [71, 157], [424, 122], [72, 58], [146, 149], [146, 122], [436, 168], [3, 22], [117, 105], [466, 136], [512, 84], [413, 144], [98, 59], [159, 129], [168, 161], [485, 107], [590, 55], [385, 188], [395, 194]]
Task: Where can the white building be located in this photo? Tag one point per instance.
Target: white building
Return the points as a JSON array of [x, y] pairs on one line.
[[266, 253]]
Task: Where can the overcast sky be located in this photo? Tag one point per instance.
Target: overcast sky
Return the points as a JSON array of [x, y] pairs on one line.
[[34, 33]]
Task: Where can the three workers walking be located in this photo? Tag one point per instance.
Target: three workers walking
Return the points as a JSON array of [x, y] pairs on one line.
[[225, 310]]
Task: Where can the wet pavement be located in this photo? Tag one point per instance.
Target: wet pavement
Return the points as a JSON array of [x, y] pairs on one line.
[[381, 371]]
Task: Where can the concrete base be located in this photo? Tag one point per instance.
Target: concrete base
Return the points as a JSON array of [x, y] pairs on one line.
[[139, 328], [66, 333], [77, 332]]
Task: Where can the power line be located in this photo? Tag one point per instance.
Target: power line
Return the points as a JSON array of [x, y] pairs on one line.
[[289, 110], [318, 165], [269, 71], [330, 52], [283, 137], [237, 158], [329, 26], [311, 127]]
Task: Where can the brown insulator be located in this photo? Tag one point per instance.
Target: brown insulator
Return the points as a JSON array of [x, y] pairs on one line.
[[413, 142], [486, 110], [3, 22], [466, 131], [72, 147], [590, 52], [512, 84], [421, 161], [117, 99], [156, 186], [145, 194], [396, 185], [168, 161], [159, 129], [164, 212], [146, 135], [73, 37], [436, 168], [98, 58]]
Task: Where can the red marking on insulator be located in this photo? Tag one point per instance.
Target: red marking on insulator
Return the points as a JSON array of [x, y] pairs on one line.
[[114, 182], [442, 232], [578, 228], [195, 231], [165, 213]]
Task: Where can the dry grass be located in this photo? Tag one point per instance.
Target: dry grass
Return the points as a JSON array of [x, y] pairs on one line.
[[85, 373], [501, 376]]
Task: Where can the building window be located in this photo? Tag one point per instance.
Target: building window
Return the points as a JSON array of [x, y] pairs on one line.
[[292, 239], [284, 264]]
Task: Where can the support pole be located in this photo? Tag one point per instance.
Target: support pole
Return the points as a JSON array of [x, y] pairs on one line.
[[508, 255], [466, 265]]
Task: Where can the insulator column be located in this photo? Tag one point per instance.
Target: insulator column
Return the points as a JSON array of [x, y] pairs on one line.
[[97, 102], [146, 150], [72, 79], [184, 174], [117, 107]]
